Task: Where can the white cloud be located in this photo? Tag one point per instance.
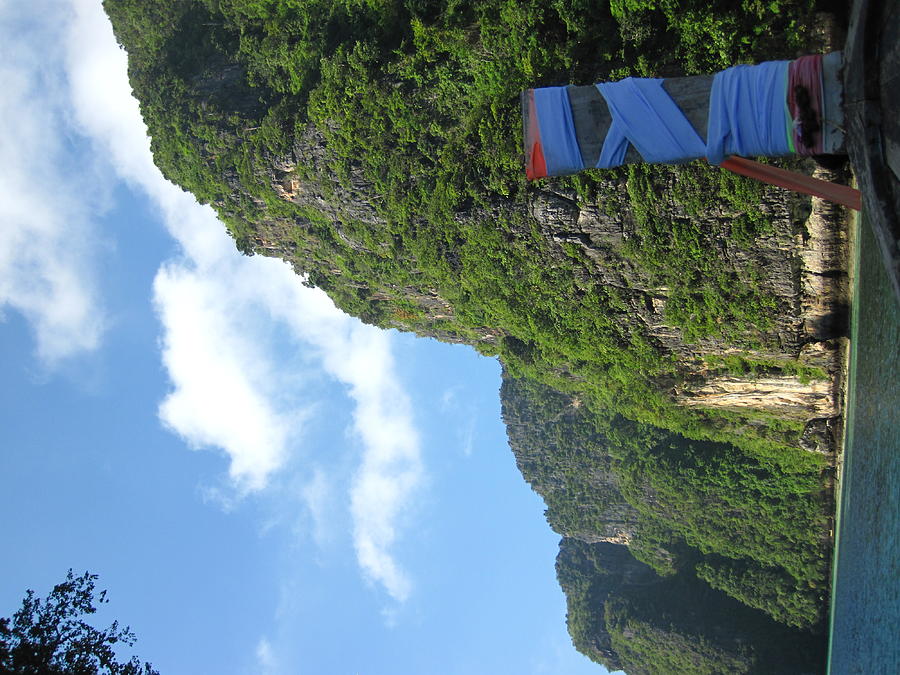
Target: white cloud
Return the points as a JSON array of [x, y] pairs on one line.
[[46, 240], [219, 310], [359, 356], [390, 475], [266, 662], [316, 494], [219, 376], [219, 372]]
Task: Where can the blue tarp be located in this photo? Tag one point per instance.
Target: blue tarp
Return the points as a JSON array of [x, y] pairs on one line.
[[560, 145], [748, 112], [748, 116], [644, 115]]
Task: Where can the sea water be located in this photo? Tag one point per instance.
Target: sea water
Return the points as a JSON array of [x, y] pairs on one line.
[[865, 607]]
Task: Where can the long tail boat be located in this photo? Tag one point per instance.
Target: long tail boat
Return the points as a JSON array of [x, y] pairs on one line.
[[843, 103]]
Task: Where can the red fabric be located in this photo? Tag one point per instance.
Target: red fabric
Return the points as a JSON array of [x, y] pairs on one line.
[[798, 182], [805, 103], [535, 165]]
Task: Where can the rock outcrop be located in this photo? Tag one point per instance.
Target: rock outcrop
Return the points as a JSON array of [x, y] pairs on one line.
[[566, 461]]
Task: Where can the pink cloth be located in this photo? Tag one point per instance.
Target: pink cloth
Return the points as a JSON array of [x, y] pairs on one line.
[[804, 96]]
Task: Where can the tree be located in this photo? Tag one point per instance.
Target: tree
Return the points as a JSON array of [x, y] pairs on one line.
[[49, 637]]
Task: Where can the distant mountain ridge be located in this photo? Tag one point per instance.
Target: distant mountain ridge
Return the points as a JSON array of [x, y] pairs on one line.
[[640, 526], [622, 615]]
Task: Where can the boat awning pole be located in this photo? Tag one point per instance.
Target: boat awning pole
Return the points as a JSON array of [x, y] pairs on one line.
[[798, 182]]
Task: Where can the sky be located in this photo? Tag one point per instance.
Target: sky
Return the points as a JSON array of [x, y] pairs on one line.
[[263, 484]]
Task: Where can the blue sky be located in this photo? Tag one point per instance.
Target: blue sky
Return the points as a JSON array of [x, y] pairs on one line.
[[264, 484]]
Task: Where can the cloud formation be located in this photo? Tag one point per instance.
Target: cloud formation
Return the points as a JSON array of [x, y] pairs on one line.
[[219, 312], [266, 662], [47, 241], [390, 472], [219, 398]]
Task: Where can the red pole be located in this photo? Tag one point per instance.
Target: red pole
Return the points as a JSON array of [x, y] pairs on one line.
[[790, 180]]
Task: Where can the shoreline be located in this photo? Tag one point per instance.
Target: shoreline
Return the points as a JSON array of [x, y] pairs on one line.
[[865, 603], [847, 401]]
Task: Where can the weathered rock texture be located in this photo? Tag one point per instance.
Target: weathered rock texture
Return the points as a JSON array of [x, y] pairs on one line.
[[621, 573], [566, 462], [800, 261]]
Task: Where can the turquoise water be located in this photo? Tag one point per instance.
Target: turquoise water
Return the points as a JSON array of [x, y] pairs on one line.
[[865, 609]]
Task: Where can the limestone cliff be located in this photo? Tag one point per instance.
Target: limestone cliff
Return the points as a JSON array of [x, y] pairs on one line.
[[565, 460], [799, 264], [689, 283], [625, 617], [671, 336]]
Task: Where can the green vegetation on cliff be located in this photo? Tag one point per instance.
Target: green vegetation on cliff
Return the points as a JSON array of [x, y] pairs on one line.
[[686, 507], [623, 616], [399, 123], [376, 146]]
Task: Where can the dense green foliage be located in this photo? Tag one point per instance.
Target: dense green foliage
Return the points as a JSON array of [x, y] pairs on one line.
[[418, 100], [624, 617], [749, 528], [560, 453], [682, 626], [768, 524], [50, 636], [775, 591]]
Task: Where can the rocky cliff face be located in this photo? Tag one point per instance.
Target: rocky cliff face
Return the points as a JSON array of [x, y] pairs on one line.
[[566, 461], [799, 263], [748, 527], [687, 263], [590, 575], [622, 615]]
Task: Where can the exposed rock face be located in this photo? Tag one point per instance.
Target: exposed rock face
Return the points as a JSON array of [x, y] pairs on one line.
[[566, 462], [780, 395], [802, 262], [798, 261], [822, 251], [285, 193], [339, 199]]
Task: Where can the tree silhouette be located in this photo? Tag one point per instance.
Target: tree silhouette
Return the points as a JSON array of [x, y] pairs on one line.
[[49, 637]]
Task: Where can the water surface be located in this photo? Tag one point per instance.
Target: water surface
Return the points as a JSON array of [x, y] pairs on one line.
[[865, 609]]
